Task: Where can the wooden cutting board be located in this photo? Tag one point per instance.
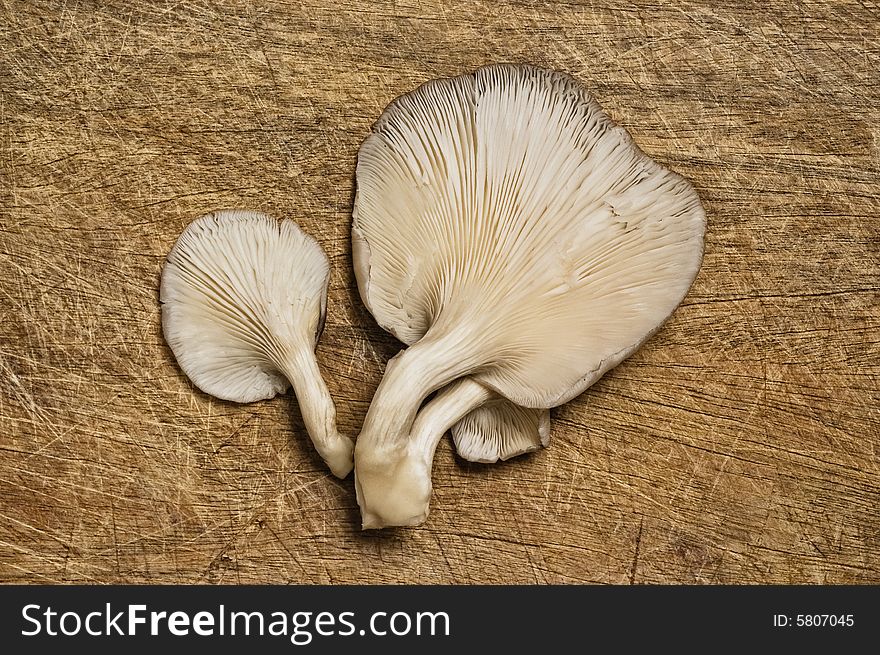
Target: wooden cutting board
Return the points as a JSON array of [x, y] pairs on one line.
[[741, 444]]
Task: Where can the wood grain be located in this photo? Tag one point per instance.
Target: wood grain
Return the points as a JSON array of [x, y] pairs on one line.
[[740, 445]]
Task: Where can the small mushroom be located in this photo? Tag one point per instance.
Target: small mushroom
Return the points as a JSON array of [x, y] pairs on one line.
[[500, 430], [514, 235], [243, 302]]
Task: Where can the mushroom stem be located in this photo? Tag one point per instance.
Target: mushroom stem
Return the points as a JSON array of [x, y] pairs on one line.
[[319, 412], [445, 410], [395, 449]]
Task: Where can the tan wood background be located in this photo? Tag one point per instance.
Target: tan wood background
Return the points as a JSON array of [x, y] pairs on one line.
[[739, 445]]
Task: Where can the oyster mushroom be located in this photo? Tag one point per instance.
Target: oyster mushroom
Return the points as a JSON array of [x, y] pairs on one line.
[[500, 430], [515, 236], [243, 302]]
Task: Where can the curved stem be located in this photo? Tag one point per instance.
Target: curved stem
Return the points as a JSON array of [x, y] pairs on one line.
[[409, 378], [395, 450], [319, 412], [436, 418]]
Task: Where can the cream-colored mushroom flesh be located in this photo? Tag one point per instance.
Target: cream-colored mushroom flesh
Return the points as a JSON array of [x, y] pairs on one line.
[[495, 431], [243, 301], [506, 218], [492, 429], [500, 430]]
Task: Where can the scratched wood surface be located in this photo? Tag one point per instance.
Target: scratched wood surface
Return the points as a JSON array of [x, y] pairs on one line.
[[739, 445]]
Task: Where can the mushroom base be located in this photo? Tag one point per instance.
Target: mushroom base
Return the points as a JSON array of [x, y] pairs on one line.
[[393, 491]]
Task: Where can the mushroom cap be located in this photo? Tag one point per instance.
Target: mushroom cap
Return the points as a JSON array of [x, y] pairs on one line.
[[500, 430], [241, 292], [505, 212]]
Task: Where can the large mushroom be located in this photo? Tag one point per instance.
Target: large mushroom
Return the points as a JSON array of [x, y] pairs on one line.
[[243, 302], [521, 242]]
